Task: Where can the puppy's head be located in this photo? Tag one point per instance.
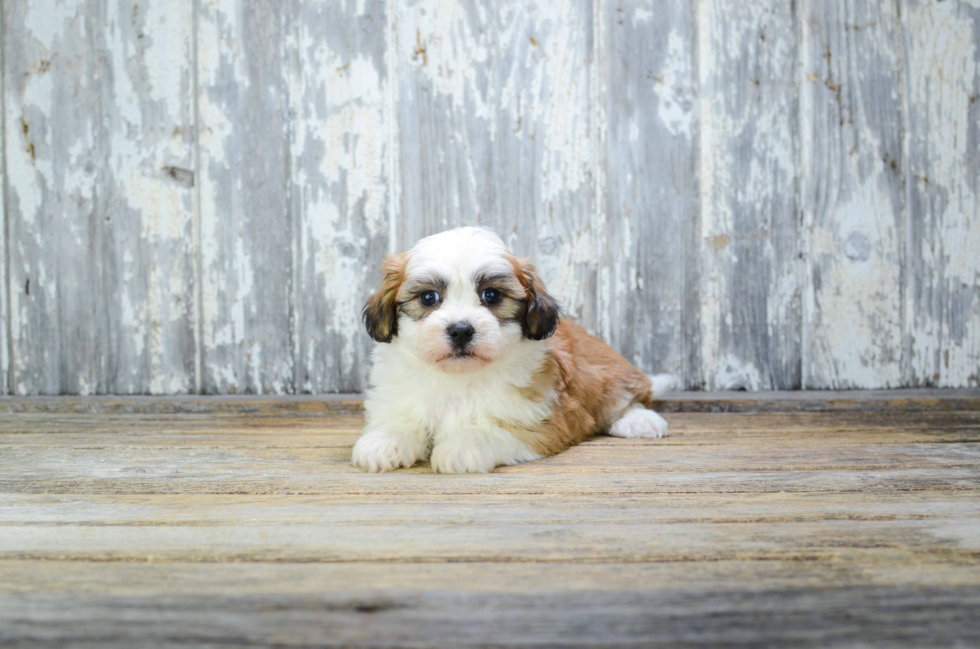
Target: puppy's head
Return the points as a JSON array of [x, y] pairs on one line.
[[460, 301]]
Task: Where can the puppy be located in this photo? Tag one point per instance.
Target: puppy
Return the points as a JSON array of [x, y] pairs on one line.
[[477, 371]]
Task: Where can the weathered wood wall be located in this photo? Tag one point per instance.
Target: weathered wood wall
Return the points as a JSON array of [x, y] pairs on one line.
[[751, 195]]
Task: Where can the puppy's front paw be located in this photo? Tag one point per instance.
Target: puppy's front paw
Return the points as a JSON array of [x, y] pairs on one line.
[[639, 422], [383, 451], [462, 456]]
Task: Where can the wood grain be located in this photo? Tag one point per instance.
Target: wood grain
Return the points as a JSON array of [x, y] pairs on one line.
[[99, 149], [320, 605], [149, 126], [668, 604], [339, 184], [752, 196], [497, 126], [484, 532], [59, 332], [4, 248], [247, 226], [247, 525], [750, 237], [649, 300], [943, 283], [853, 194]]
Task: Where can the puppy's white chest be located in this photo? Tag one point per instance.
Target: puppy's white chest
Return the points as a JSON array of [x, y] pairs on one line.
[[461, 404], [441, 403]]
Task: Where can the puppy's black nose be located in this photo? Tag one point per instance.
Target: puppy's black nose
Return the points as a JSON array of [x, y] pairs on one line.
[[461, 333]]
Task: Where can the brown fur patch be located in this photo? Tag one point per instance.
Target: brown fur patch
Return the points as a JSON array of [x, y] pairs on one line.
[[512, 305], [591, 381], [381, 311], [413, 288], [542, 313]]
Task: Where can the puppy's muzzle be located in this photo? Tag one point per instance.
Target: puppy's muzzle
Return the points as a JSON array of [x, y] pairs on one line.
[[461, 334]]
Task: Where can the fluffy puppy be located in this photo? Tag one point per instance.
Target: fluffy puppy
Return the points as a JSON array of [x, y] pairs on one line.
[[475, 370]]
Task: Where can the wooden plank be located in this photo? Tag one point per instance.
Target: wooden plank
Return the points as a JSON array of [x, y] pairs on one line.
[[156, 456], [152, 454], [558, 605], [884, 425], [853, 193], [497, 536], [339, 175], [512, 605], [942, 298], [587, 527], [244, 421], [248, 420], [291, 436], [291, 404], [759, 466], [851, 616], [143, 580], [432, 509], [202, 473], [749, 239], [247, 233], [99, 146], [53, 153], [339, 430], [253, 528], [4, 249], [734, 402], [649, 288], [148, 117], [497, 125]]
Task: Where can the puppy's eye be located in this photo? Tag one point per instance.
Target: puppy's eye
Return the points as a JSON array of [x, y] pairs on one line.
[[429, 298], [490, 296]]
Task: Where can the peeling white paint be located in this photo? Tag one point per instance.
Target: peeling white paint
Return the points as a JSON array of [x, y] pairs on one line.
[[27, 175], [943, 86], [642, 15], [229, 349], [511, 106], [855, 318], [168, 27], [341, 104], [736, 374], [45, 23], [437, 37], [731, 183], [853, 203], [5, 315], [501, 91], [677, 98]]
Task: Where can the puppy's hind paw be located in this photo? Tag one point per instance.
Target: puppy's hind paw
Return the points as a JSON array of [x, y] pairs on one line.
[[638, 423]]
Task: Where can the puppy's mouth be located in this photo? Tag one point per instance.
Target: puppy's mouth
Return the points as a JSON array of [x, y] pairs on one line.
[[462, 355]]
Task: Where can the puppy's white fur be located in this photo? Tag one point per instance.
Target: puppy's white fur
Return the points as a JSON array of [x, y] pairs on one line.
[[491, 407], [637, 421]]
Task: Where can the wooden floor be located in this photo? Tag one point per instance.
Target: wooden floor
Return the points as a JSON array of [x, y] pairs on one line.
[[834, 520]]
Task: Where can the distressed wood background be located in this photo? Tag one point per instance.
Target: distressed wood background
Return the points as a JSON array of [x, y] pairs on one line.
[[758, 195]]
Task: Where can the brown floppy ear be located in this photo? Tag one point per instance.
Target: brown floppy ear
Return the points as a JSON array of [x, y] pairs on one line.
[[381, 311], [542, 312]]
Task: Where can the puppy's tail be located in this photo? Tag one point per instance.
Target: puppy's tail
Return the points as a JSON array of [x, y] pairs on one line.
[[663, 383]]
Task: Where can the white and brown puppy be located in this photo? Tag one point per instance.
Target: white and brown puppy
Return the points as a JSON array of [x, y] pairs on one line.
[[476, 370]]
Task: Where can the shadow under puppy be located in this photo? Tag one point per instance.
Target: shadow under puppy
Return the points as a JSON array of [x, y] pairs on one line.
[[477, 370]]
